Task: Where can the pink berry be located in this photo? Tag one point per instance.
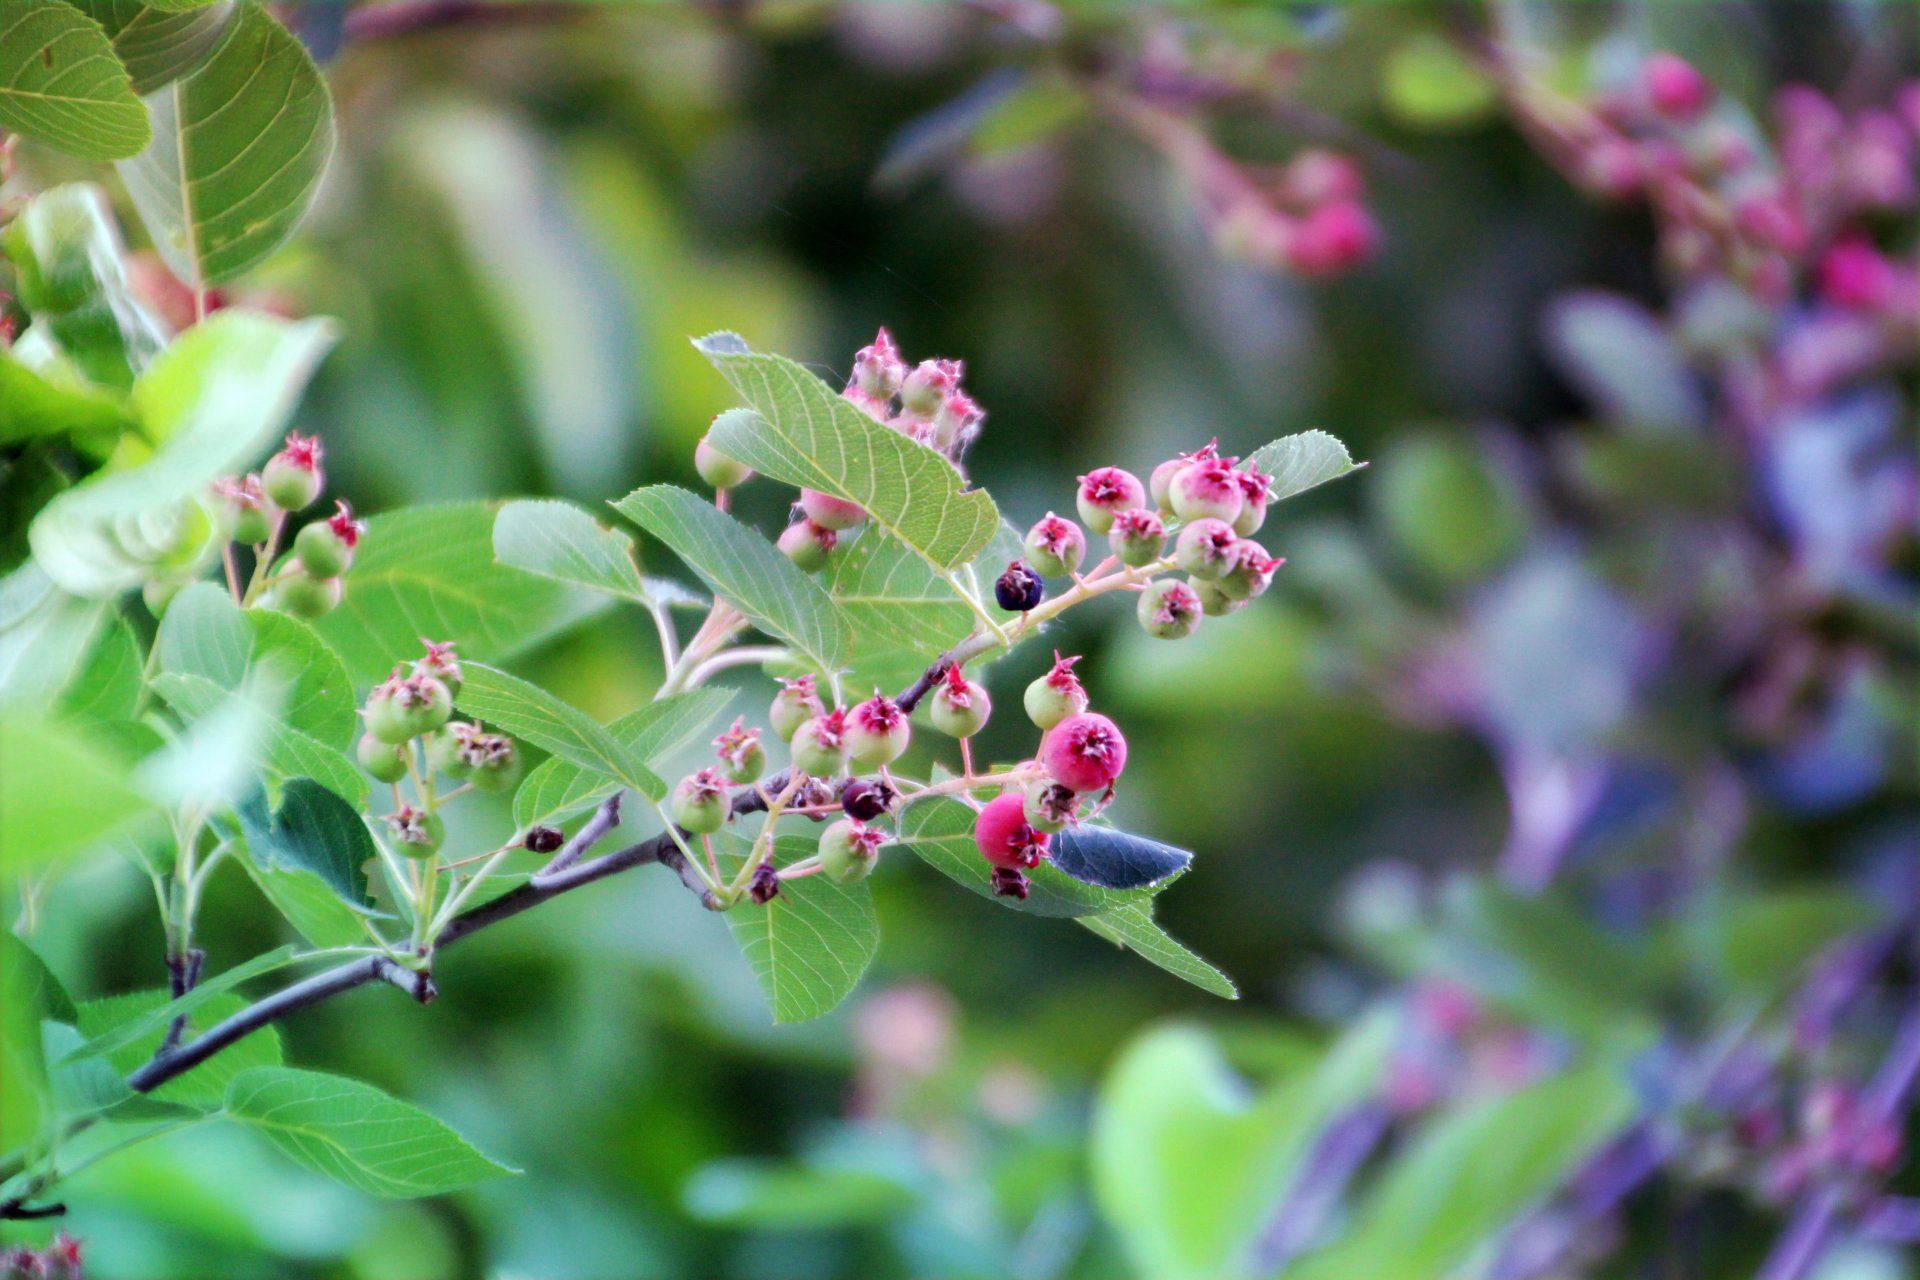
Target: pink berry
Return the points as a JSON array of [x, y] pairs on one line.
[[1170, 609], [1332, 239], [1854, 274], [1205, 548], [1056, 547], [1256, 487], [830, 512], [956, 424], [878, 369], [1675, 88], [1772, 219], [877, 731], [1085, 752], [927, 387], [1249, 571], [1317, 176], [1207, 489], [1005, 837], [1056, 695], [1105, 492]]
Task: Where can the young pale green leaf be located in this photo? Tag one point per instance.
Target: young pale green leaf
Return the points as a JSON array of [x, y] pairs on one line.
[[35, 404], [766, 1195], [430, 572], [807, 435], [560, 541], [314, 830], [1134, 929], [205, 1087], [59, 792], [145, 1023], [238, 151], [107, 686], [156, 46], [89, 327], [940, 831], [659, 729], [744, 569], [205, 634], [1187, 1164], [213, 401], [44, 635], [61, 84], [528, 711], [810, 945], [281, 750], [355, 1134], [30, 995], [1465, 1175], [1301, 462], [309, 904]]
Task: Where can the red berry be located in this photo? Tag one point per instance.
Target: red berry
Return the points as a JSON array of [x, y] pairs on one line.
[[830, 512], [1207, 488], [1005, 837], [1333, 238], [1084, 752]]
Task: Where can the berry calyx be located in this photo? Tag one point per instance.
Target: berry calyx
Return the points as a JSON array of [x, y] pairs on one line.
[[1249, 571], [441, 663], [878, 368], [867, 798], [849, 850], [1085, 752], [808, 545], [304, 596], [417, 833], [700, 802], [380, 759], [717, 468], [250, 516], [1170, 609], [1048, 805], [1005, 837], [960, 706], [742, 758], [1010, 883], [796, 703], [830, 512], [1205, 548], [820, 745], [1056, 695], [764, 887], [1206, 489], [1160, 483], [544, 839], [1104, 493], [1138, 537], [489, 759], [1056, 546], [404, 707], [1256, 488], [877, 731], [1019, 588], [444, 751], [292, 478], [325, 547]]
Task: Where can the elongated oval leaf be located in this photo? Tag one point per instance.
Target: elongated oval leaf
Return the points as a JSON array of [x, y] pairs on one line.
[[61, 84], [1115, 859], [743, 568], [811, 943], [1301, 462], [238, 151], [355, 1134], [205, 1087], [126, 1033], [1134, 929], [560, 541], [154, 45], [560, 787], [205, 634], [528, 711], [807, 435]]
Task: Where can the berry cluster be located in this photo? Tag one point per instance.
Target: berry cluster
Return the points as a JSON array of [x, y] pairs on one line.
[[410, 733], [1309, 217], [252, 510], [60, 1260], [1729, 205]]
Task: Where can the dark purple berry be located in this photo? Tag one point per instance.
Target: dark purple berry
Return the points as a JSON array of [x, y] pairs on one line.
[[544, 839], [868, 798], [764, 886], [1019, 588]]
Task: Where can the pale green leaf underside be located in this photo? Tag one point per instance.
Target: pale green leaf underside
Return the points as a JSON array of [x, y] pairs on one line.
[[61, 84], [205, 634], [285, 752], [744, 569], [238, 151], [530, 712], [560, 541], [355, 1134], [1301, 462], [810, 945], [654, 732], [807, 435], [205, 1087], [1134, 928]]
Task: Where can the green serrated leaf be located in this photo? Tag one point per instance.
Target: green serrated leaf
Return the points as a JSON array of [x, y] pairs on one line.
[[145, 1023], [205, 634], [238, 151], [1301, 462], [810, 945], [314, 830], [430, 572], [355, 1134], [61, 84], [205, 1087], [156, 46], [807, 435], [530, 712], [282, 751], [60, 791], [560, 787], [940, 831], [107, 686], [1134, 928], [560, 541], [744, 569]]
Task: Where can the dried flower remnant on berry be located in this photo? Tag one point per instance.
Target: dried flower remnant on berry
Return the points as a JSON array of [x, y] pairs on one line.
[[764, 887]]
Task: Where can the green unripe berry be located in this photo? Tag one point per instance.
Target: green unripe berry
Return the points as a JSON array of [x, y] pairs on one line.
[[249, 516], [960, 706], [1048, 805], [322, 552], [381, 759], [495, 762], [877, 731], [445, 751], [305, 596], [1056, 547], [1249, 571], [1205, 548], [808, 545], [717, 469], [700, 803], [416, 833], [849, 850], [820, 745], [793, 706], [1137, 537], [1169, 609], [1214, 602], [1055, 695], [742, 758], [292, 478], [401, 708]]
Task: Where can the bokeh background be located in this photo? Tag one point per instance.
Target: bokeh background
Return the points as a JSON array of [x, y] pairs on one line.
[[1527, 632]]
